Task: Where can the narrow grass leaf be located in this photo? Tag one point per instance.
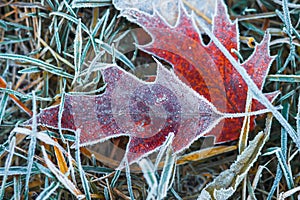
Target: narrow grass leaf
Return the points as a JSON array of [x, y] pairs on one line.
[[289, 193], [246, 124], [257, 178], [3, 24], [56, 55], [282, 168], [128, 178], [77, 51], [90, 3], [176, 195], [117, 54], [56, 36], [17, 187], [251, 27], [11, 41], [3, 104], [83, 178], [284, 136], [285, 169], [94, 32], [289, 94], [106, 193], [165, 179], [105, 18], [29, 70], [70, 159], [163, 149], [47, 192], [14, 26], [17, 170], [110, 29], [51, 4], [43, 65], [275, 183], [74, 20], [284, 78], [298, 117], [61, 110], [148, 170], [204, 153], [32, 145], [24, 96], [7, 165], [96, 169], [61, 161], [101, 89], [69, 8], [62, 177], [42, 136], [286, 17]]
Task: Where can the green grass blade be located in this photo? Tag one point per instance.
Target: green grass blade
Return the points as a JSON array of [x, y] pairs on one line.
[[3, 24], [298, 116], [43, 65], [32, 146], [149, 174], [90, 3], [25, 96], [83, 178], [77, 51], [47, 192], [284, 78], [29, 70], [115, 178], [117, 54], [17, 187], [128, 178], [17, 170], [166, 175], [3, 104], [56, 36], [8, 161], [285, 169]]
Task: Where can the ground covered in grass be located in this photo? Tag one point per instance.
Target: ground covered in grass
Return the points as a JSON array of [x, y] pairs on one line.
[[49, 48]]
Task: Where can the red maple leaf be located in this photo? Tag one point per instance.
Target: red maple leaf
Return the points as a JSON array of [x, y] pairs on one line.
[[204, 67]]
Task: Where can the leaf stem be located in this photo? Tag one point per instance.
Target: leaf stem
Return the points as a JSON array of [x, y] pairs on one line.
[[247, 114]]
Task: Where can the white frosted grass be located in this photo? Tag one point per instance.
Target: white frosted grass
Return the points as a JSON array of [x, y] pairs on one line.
[[252, 86], [48, 191], [166, 175], [3, 104], [77, 51], [11, 149], [60, 112], [62, 178], [43, 65], [298, 117], [163, 149], [17, 187], [83, 178], [148, 170], [128, 177], [32, 145]]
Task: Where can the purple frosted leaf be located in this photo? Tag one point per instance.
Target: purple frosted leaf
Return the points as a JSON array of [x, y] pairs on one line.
[[146, 112]]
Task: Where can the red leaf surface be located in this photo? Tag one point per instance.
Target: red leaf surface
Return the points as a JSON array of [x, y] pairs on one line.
[[146, 112], [204, 67]]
